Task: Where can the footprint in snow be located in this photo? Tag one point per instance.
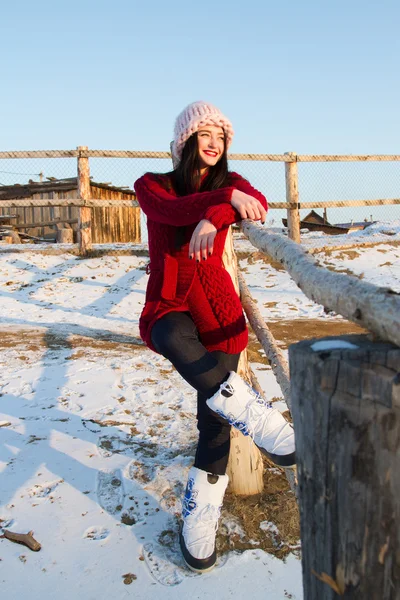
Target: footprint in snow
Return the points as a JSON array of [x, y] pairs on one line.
[[96, 533], [44, 490], [110, 491]]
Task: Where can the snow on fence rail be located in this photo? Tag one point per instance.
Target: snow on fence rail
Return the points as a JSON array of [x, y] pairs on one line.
[[374, 308]]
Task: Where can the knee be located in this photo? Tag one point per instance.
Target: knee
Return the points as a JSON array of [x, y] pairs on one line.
[[167, 333]]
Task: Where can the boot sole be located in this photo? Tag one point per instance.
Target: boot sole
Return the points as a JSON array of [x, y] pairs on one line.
[[186, 557], [285, 460], [200, 571]]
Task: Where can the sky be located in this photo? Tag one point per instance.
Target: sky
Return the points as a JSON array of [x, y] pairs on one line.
[[310, 77]]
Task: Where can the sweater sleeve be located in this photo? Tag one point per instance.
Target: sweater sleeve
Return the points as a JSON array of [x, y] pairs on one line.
[[162, 206], [225, 214]]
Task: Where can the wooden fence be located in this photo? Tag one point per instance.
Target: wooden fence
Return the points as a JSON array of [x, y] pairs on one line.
[[344, 393], [344, 396], [290, 160]]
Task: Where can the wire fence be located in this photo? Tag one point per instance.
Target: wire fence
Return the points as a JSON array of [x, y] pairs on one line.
[[321, 181]]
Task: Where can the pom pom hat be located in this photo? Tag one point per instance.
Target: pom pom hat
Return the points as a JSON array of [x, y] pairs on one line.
[[192, 118]]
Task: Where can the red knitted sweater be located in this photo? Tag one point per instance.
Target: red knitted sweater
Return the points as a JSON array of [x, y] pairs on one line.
[[177, 283]]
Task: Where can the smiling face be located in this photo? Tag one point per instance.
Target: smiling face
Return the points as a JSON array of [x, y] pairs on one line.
[[211, 145]]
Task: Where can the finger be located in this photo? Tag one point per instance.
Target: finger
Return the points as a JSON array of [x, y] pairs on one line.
[[197, 248], [263, 213], [256, 211], [204, 246], [210, 244], [192, 243], [191, 246], [243, 212], [250, 213]]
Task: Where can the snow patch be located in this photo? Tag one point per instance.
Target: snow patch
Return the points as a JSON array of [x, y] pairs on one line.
[[333, 345]]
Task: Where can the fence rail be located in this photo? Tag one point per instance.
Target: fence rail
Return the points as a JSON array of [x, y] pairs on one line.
[[349, 431], [374, 308], [345, 400], [287, 157], [290, 194]]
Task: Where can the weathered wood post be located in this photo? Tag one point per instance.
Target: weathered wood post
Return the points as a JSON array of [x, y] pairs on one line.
[[346, 410], [85, 212], [292, 196], [245, 467], [64, 234]]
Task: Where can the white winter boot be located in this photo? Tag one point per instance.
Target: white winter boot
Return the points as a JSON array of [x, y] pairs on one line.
[[247, 411], [201, 509]]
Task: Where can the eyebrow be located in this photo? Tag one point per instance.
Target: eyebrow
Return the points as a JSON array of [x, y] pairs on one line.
[[209, 131]]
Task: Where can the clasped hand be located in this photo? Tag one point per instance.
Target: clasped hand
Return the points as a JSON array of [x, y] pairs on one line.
[[248, 207], [202, 240]]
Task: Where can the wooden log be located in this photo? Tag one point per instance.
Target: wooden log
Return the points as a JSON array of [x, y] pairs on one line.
[[155, 154], [26, 236], [65, 236], [346, 410], [292, 198], [348, 157], [26, 539], [39, 154], [374, 308], [21, 202], [14, 237], [63, 223], [336, 203], [245, 466], [279, 364], [60, 226], [84, 213]]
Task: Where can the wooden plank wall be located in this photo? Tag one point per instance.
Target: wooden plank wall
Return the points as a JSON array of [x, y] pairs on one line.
[[119, 224]]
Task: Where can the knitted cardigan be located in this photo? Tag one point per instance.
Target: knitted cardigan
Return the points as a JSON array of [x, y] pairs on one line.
[[176, 283]]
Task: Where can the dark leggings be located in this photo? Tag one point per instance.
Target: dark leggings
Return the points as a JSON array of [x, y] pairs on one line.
[[175, 336]]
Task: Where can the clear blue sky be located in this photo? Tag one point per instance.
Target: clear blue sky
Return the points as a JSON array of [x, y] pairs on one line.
[[312, 76]]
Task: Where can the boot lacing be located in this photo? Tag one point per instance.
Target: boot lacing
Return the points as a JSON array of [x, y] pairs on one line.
[[253, 414], [203, 519]]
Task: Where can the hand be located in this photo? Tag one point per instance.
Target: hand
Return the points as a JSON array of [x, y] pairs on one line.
[[202, 240], [248, 207]]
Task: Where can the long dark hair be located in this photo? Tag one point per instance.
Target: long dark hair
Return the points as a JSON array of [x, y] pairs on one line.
[[186, 179]]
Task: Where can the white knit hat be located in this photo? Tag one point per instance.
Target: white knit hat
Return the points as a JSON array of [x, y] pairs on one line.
[[193, 117]]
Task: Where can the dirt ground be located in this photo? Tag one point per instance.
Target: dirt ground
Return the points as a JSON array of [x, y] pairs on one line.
[[277, 504], [285, 332]]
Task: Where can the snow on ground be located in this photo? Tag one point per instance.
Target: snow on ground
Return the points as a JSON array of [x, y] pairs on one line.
[[96, 440]]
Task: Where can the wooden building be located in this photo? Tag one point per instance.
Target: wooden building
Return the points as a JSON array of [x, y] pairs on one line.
[[109, 224], [315, 222]]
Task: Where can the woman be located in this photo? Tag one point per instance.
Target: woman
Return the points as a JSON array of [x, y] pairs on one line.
[[194, 317]]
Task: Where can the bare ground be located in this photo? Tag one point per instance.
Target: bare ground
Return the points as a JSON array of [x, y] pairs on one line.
[[277, 503]]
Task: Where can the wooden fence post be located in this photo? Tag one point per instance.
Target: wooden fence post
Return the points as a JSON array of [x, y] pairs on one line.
[[245, 467], [84, 193], [292, 196], [346, 411]]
